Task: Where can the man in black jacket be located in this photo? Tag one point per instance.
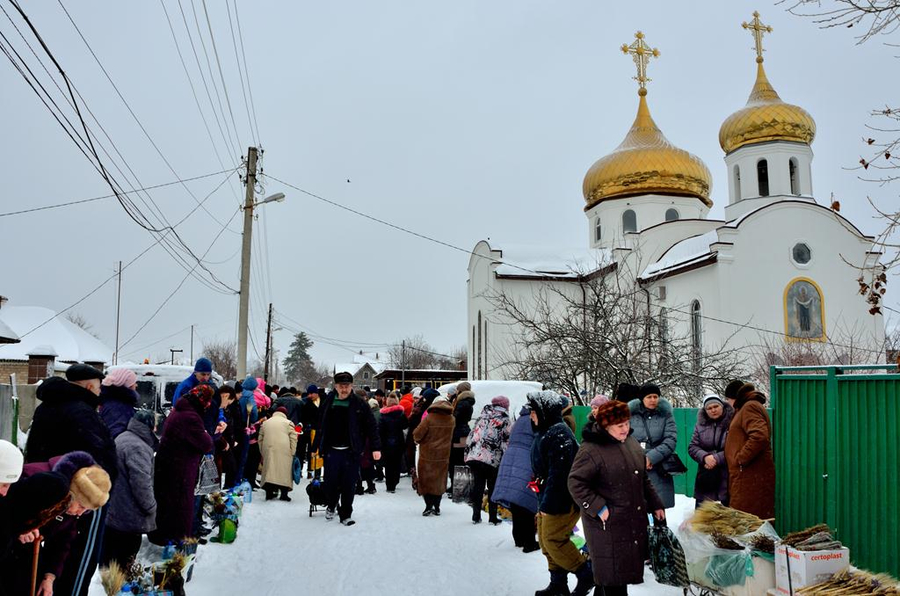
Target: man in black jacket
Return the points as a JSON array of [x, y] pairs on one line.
[[66, 421], [345, 422]]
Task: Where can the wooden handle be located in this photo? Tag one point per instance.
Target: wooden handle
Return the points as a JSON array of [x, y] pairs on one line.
[[34, 564]]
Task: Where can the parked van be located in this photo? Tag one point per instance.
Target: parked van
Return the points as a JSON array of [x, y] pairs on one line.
[[156, 383]]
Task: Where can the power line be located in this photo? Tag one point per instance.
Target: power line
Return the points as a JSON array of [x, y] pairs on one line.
[[212, 40], [80, 201], [253, 135], [237, 19]]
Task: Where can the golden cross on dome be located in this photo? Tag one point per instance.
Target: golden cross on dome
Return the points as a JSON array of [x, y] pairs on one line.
[[757, 30], [641, 53]]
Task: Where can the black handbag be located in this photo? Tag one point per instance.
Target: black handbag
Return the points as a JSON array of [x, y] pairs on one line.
[[673, 466]]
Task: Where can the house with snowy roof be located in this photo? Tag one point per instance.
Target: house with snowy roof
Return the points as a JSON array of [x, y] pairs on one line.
[[48, 344]]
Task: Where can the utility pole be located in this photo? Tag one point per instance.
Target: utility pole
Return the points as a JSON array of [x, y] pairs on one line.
[[192, 343], [244, 307], [268, 346], [402, 364], [172, 350], [118, 314]]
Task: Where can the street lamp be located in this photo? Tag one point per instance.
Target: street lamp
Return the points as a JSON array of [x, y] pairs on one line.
[[244, 306]]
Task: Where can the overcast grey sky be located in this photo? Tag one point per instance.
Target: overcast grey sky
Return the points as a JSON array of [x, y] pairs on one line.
[[460, 120]]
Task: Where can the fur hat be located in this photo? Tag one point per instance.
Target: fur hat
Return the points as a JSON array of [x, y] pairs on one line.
[[501, 401], [747, 392], [11, 461], [373, 403], [464, 386], [731, 390], [90, 487], [343, 377], [599, 400], [69, 464], [612, 412], [649, 389]]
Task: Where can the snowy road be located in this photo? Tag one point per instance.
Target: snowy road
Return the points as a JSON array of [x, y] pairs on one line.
[[392, 549]]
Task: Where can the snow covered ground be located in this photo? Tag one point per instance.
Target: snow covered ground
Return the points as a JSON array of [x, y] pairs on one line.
[[391, 549]]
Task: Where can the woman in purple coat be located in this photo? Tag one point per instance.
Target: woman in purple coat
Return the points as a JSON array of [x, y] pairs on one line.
[[184, 442], [707, 448]]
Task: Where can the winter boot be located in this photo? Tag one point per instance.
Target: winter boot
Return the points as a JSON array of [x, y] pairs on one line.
[[585, 577], [476, 515], [558, 585], [329, 514]]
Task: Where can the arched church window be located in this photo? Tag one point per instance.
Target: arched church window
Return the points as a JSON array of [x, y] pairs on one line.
[[597, 232], [695, 327], [629, 221], [794, 172], [672, 214], [737, 183], [803, 310], [762, 177], [478, 354]]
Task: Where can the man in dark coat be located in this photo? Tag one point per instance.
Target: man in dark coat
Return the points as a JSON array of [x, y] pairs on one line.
[[552, 454], [609, 481], [292, 404], [346, 422], [65, 421], [748, 451]]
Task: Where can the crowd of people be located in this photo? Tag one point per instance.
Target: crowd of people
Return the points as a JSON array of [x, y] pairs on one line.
[[98, 473]]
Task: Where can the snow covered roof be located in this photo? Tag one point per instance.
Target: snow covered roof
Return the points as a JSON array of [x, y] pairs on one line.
[[377, 361], [685, 252], [7, 335], [71, 342], [521, 260]]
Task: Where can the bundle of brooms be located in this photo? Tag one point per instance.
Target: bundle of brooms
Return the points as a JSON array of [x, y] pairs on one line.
[[795, 538], [714, 518], [850, 583]]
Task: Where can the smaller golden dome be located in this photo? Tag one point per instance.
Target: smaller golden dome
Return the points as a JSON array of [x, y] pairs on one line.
[[646, 163], [766, 118]]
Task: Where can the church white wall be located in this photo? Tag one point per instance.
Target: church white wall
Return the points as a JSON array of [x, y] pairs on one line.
[[747, 284], [649, 210], [777, 155]]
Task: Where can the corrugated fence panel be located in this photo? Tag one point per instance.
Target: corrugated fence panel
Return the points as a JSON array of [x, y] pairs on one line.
[[685, 419], [799, 435], [867, 493]]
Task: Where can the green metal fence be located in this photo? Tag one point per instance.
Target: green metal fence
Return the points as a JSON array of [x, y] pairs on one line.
[[836, 442]]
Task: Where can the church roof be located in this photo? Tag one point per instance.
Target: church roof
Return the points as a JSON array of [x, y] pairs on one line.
[[683, 253], [521, 260], [70, 342]]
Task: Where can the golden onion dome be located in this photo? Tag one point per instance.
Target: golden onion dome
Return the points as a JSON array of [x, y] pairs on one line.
[[766, 118], [646, 163]]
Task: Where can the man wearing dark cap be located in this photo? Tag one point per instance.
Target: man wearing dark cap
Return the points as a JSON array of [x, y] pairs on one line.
[[345, 424], [202, 375], [67, 420]]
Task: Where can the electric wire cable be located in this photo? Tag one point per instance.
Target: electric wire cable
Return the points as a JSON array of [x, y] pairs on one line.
[[237, 20]]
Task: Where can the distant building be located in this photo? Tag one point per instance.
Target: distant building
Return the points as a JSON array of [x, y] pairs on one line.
[[393, 378]]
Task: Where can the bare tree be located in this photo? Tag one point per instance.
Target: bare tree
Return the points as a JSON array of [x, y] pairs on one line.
[[880, 157], [413, 353], [600, 332], [223, 355], [79, 320]]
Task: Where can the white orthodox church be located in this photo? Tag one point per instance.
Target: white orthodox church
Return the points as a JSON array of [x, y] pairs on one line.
[[781, 267]]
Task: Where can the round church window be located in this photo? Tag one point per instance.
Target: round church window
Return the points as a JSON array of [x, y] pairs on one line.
[[801, 253]]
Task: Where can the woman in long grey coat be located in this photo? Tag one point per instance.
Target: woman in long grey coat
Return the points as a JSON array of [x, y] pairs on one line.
[[609, 482], [654, 428], [278, 443]]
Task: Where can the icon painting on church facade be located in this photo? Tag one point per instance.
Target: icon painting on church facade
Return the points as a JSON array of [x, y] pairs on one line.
[[803, 310]]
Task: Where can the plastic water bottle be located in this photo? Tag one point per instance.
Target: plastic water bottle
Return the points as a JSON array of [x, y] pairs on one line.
[[247, 490]]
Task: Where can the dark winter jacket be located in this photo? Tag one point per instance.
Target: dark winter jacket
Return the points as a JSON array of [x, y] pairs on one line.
[[464, 409], [361, 421], [67, 420], [117, 407], [309, 416], [293, 405], [748, 450], [515, 468], [612, 474], [183, 444], [490, 437], [656, 430], [393, 422], [186, 385], [709, 439], [132, 504], [551, 458]]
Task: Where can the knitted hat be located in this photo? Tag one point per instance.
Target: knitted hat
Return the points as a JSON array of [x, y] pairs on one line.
[[120, 377], [501, 401], [732, 389], [712, 398], [281, 409], [649, 389], [612, 412], [11, 461], [90, 487], [599, 400], [311, 388], [464, 386], [203, 365]]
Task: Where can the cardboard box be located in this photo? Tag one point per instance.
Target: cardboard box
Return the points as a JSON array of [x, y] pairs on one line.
[[805, 568]]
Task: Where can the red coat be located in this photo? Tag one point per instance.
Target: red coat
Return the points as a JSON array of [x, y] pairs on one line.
[[406, 402]]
